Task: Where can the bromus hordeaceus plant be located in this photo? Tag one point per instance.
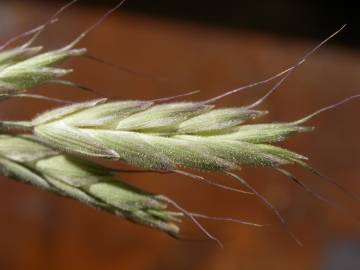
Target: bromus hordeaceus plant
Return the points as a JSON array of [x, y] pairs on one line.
[[151, 135]]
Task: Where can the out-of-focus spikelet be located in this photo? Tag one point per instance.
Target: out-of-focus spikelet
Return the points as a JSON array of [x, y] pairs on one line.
[[23, 158]]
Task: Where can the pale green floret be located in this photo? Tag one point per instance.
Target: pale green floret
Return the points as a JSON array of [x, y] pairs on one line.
[[13, 56], [164, 117], [28, 161], [23, 78], [265, 133], [59, 113], [79, 173], [187, 153], [69, 139], [125, 198], [106, 116], [280, 152], [51, 58], [237, 152], [23, 174], [20, 68], [131, 148], [218, 120]]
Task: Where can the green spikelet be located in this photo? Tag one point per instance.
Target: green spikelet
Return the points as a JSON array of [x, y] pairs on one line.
[[166, 136], [23, 158]]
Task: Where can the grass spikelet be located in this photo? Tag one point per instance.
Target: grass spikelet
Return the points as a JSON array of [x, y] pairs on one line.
[[161, 136], [168, 136], [151, 136], [28, 161], [11, 72], [25, 67]]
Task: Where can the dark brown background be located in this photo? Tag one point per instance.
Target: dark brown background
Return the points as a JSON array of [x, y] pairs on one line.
[[42, 231]]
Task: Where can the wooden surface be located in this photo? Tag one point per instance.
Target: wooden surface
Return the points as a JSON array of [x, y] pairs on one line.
[[43, 231]]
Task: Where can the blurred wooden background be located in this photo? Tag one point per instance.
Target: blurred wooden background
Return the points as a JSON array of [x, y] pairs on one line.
[[43, 231]]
